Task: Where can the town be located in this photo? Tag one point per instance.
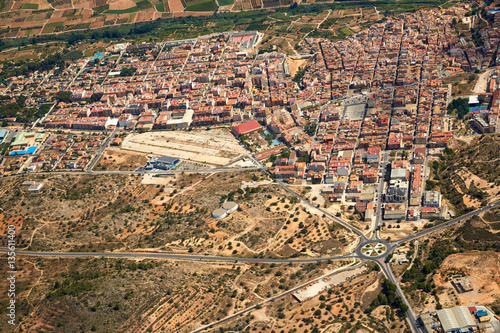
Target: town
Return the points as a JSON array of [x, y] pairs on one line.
[[365, 118], [336, 158]]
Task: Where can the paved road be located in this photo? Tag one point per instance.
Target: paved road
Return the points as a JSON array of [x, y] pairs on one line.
[[193, 257], [410, 315], [336, 219], [234, 315], [101, 151], [355, 254], [447, 224]]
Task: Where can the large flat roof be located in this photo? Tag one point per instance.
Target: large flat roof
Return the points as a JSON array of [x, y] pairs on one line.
[[455, 318]]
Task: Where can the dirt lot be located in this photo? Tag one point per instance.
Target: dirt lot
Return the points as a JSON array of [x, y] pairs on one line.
[[483, 271], [216, 147], [294, 65], [116, 159]]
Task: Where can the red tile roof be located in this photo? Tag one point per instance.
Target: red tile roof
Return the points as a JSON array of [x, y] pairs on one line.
[[248, 127]]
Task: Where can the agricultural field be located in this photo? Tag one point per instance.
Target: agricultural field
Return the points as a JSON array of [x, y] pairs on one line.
[[199, 5], [225, 2]]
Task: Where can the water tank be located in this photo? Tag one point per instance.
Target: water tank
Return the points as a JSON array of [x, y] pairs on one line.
[[219, 213], [230, 206]]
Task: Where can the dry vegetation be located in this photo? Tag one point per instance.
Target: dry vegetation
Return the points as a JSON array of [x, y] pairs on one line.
[[340, 309], [464, 250], [172, 213], [469, 176]]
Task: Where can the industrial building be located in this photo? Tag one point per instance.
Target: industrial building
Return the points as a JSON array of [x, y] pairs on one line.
[[462, 285], [460, 319], [162, 163], [455, 319]]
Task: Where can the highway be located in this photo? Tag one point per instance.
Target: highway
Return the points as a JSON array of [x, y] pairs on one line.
[[193, 257], [356, 253]]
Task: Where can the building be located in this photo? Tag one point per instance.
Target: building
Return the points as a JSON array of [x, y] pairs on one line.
[[455, 319], [462, 285], [432, 199], [482, 125], [394, 212], [247, 128], [397, 192], [3, 133], [32, 186], [163, 163]]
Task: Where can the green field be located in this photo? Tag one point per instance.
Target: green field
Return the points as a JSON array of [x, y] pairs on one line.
[[29, 6], [144, 4], [201, 6], [122, 11], [101, 9], [54, 24], [160, 8], [346, 31], [225, 2]]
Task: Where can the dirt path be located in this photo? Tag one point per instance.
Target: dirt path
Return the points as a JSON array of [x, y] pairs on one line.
[[36, 283]]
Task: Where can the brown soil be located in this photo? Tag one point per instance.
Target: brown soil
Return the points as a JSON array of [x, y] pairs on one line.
[[121, 4], [175, 6], [116, 159], [17, 221], [483, 271]]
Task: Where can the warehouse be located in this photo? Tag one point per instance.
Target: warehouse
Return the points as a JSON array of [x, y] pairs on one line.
[[455, 319]]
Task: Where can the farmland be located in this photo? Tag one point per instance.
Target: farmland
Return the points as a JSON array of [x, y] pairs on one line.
[[35, 17], [200, 6]]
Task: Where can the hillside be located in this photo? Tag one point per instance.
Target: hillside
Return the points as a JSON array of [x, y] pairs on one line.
[[469, 176]]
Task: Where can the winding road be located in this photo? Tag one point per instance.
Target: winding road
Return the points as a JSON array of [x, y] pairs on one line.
[[357, 253]]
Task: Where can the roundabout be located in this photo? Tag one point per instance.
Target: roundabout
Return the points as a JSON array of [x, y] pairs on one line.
[[373, 249]]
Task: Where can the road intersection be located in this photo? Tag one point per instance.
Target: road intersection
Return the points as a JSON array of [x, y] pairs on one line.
[[369, 249]]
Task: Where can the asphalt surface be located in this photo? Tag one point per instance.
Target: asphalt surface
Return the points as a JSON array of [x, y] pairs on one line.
[[448, 223], [204, 328], [380, 260], [193, 257]]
